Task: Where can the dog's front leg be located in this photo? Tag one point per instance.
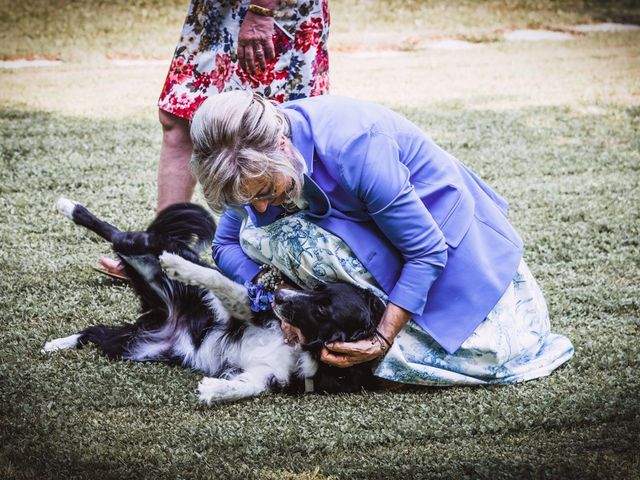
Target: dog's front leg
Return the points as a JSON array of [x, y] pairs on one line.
[[247, 384], [64, 343], [232, 295]]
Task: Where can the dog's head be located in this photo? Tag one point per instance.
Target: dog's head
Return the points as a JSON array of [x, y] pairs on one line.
[[333, 312]]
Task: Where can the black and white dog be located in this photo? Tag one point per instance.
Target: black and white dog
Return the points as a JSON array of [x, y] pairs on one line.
[[196, 317]]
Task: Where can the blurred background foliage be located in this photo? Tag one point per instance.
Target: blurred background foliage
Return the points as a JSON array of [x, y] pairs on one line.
[[92, 29]]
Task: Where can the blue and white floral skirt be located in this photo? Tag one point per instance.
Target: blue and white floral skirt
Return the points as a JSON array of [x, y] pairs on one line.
[[513, 344]]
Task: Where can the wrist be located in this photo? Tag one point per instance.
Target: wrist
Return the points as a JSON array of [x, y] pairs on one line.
[[388, 333], [380, 344], [393, 320], [386, 342]]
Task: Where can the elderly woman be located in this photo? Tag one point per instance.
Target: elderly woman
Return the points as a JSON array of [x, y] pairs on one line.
[[331, 188]]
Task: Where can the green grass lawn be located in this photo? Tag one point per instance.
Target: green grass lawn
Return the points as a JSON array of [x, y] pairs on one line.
[[553, 127]]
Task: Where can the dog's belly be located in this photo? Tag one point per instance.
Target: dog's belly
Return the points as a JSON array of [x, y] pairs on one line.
[[223, 350], [264, 348]]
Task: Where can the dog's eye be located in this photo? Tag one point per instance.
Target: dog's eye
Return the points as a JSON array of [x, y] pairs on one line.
[[322, 310]]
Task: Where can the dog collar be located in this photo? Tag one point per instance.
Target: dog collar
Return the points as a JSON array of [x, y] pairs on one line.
[[309, 386]]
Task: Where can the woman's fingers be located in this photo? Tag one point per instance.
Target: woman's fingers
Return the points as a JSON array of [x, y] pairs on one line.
[[269, 49], [241, 58], [259, 55], [347, 347], [249, 59], [347, 354], [335, 359], [254, 54]]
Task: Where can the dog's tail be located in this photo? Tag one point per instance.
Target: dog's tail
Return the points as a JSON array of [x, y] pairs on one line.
[[180, 226], [186, 223], [81, 216]]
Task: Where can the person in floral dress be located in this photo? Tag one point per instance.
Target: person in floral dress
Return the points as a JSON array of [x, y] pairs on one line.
[[277, 48]]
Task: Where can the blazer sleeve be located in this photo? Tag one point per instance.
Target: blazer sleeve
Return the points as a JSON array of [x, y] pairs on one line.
[[372, 170], [226, 250]]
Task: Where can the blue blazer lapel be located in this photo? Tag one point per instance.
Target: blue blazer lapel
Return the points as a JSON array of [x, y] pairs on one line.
[[319, 204]]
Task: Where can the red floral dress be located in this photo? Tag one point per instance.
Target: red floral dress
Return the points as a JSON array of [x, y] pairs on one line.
[[205, 60]]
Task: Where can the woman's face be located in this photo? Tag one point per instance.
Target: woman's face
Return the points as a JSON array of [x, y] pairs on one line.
[[265, 193]]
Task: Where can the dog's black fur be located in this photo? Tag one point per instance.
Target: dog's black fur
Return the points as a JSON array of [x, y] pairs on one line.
[[174, 311], [182, 229], [336, 312]]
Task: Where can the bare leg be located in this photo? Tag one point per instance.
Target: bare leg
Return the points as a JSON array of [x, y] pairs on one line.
[[175, 180]]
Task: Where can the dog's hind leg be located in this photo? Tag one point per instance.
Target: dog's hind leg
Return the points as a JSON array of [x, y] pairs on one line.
[[112, 341], [232, 295]]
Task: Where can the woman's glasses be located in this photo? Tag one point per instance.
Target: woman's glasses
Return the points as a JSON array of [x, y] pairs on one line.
[[287, 202], [266, 196], [273, 194]]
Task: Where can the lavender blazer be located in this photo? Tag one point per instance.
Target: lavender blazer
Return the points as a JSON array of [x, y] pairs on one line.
[[434, 236]]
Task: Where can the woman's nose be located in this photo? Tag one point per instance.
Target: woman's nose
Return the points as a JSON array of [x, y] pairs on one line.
[[260, 205]]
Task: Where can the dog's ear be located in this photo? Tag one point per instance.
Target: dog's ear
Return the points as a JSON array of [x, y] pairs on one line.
[[370, 316], [377, 307]]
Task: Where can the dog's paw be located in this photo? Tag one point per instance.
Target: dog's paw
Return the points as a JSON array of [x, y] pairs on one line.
[[213, 390], [64, 343], [66, 206], [221, 390], [177, 268]]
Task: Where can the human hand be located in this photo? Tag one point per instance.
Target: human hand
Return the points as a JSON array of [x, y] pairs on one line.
[[347, 354], [255, 42]]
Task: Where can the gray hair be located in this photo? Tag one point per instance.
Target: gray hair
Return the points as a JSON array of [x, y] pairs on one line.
[[236, 136]]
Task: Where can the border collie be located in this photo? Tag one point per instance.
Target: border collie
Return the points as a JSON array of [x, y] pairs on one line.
[[196, 317]]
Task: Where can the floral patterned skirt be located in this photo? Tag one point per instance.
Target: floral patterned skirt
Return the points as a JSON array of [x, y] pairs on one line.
[[205, 60], [512, 344]]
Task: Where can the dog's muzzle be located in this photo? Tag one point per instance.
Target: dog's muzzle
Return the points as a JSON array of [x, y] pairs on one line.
[[283, 299]]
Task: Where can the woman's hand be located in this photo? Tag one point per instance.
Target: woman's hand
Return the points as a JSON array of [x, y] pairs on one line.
[[347, 354], [255, 40]]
